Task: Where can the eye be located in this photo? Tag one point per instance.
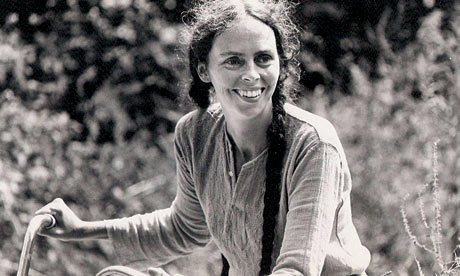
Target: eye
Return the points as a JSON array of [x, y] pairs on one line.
[[264, 59], [233, 61]]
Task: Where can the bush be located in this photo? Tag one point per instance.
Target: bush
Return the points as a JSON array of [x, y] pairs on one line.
[[89, 99], [387, 127]]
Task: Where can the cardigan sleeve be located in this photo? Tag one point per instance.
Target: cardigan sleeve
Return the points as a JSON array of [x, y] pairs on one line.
[[313, 198], [164, 235]]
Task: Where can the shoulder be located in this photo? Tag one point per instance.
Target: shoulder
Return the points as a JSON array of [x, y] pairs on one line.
[[309, 126], [198, 123], [314, 139], [199, 118], [308, 131]]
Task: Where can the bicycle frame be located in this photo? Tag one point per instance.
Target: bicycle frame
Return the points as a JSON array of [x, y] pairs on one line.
[[37, 223]]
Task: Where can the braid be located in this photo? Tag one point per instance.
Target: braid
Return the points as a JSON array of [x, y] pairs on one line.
[[276, 150], [204, 22], [199, 91]]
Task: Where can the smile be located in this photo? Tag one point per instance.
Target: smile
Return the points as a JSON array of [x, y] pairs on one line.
[[251, 94]]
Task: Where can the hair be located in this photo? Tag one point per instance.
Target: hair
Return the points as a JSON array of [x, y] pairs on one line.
[[206, 21]]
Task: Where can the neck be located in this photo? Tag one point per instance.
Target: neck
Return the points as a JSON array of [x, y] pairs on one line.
[[249, 135]]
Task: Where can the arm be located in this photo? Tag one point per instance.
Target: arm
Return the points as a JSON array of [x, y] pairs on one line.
[[69, 227], [313, 197], [159, 236], [164, 234]]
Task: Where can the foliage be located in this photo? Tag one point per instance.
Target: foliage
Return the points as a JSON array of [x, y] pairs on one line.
[[89, 97], [71, 55], [387, 128], [40, 161], [430, 241], [339, 33]]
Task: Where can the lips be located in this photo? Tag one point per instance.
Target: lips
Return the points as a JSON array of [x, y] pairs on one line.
[[250, 94]]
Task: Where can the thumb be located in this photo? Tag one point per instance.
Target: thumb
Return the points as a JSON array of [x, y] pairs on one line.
[[157, 272]]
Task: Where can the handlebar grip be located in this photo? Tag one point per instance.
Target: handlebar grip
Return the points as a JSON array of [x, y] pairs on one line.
[[52, 222]]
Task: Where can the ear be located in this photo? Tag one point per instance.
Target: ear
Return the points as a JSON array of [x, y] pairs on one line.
[[203, 72]]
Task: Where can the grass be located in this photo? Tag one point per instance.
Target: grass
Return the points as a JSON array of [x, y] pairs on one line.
[[431, 243]]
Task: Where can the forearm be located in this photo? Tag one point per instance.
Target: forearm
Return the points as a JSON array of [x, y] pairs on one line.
[[94, 230], [155, 236]]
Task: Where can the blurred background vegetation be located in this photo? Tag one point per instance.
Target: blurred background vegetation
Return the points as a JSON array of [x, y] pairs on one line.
[[90, 94]]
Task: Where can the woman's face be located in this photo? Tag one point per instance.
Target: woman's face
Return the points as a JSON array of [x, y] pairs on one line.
[[243, 67]]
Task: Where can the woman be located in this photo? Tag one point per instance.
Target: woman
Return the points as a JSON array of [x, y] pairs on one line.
[[266, 181]]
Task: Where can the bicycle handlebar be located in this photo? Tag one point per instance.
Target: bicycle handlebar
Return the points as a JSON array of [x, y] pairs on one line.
[[37, 223], [117, 270], [48, 221]]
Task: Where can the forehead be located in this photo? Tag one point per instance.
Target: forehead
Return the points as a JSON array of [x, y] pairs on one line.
[[245, 35]]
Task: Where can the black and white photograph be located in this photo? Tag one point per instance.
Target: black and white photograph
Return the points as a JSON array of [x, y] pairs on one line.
[[229, 138]]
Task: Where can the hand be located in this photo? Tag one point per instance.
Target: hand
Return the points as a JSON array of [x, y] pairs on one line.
[[68, 225]]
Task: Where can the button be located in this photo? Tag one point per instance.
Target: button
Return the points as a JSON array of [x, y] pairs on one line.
[[230, 173]]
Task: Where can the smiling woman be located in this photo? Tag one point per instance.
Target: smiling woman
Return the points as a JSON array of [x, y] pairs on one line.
[[243, 67], [266, 181]]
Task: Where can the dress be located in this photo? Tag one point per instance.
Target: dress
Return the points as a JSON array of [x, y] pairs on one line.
[[314, 235]]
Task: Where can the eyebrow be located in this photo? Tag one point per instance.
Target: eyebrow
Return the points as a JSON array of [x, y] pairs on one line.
[[232, 53]]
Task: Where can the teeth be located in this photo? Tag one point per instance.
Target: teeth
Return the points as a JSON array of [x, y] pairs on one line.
[[249, 93]]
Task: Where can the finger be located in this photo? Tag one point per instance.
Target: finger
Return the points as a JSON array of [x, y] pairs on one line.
[[51, 207], [53, 232], [56, 233], [42, 211]]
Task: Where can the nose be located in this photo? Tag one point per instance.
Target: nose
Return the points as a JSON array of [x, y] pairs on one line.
[[250, 74]]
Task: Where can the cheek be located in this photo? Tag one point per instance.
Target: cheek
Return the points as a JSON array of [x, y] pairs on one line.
[[273, 74], [224, 79]]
